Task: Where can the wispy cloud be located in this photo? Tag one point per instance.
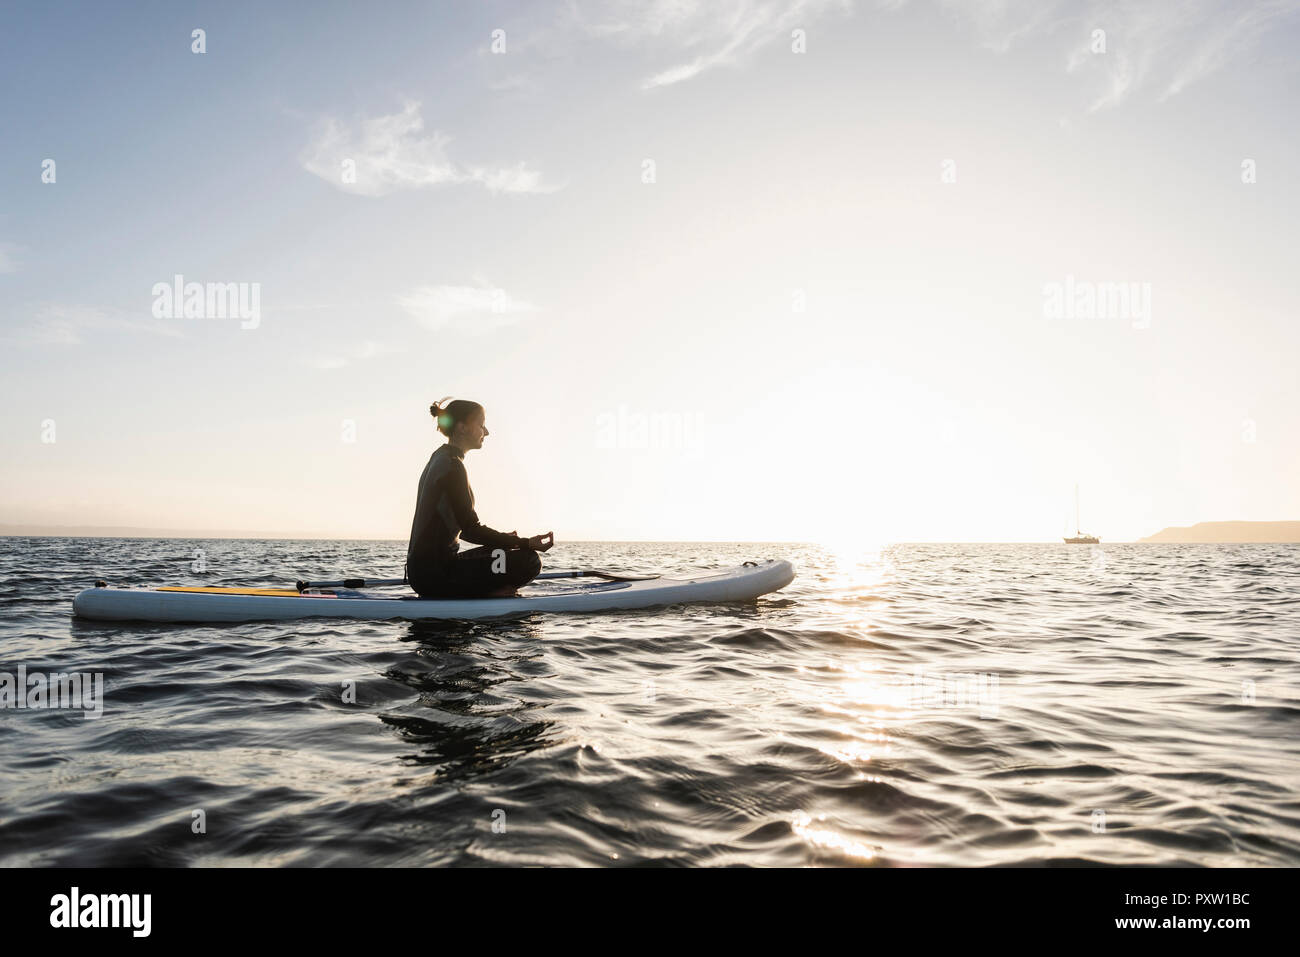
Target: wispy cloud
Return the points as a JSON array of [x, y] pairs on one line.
[[519, 179], [367, 349], [465, 308], [57, 324], [383, 154], [517, 83], [709, 34], [1239, 29], [7, 262], [1154, 48], [1158, 49]]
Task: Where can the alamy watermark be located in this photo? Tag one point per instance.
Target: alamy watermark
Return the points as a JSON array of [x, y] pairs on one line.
[[179, 299], [1079, 299], [36, 690], [75, 909], [626, 428], [957, 690]]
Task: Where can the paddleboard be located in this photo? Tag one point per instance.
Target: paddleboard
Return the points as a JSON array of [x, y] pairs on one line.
[[215, 604]]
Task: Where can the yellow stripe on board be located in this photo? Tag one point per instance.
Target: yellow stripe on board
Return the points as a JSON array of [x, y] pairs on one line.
[[273, 592]]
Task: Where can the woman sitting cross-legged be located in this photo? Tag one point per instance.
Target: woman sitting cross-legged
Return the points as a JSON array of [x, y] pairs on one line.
[[444, 514]]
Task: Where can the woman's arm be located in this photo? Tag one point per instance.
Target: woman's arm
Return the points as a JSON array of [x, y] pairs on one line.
[[471, 529]]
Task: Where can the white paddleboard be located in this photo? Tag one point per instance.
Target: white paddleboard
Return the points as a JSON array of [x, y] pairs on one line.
[[741, 583]]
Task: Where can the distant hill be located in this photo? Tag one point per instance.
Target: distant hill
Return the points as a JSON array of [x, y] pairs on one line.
[[1230, 532]]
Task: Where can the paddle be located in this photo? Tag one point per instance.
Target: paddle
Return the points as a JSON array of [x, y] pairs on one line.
[[378, 582], [592, 573]]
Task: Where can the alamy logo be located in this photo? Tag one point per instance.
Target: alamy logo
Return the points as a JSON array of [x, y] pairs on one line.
[[1077, 299], [102, 910], [629, 429], [81, 690], [211, 300], [977, 692]]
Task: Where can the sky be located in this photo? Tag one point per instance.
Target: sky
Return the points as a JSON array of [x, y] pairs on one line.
[[808, 271]]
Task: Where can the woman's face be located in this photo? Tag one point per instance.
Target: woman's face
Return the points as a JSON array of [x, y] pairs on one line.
[[473, 431]]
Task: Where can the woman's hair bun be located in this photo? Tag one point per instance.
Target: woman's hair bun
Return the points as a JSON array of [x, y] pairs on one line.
[[448, 413]]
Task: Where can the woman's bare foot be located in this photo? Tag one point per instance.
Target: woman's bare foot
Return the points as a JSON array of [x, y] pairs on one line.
[[504, 592]]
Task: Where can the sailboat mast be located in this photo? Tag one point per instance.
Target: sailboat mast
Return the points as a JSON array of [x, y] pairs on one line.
[[1077, 526]]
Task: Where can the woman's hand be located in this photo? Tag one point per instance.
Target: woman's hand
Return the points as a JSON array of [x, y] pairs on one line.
[[542, 543]]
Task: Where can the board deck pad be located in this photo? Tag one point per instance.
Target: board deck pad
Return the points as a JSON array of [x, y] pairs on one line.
[[218, 590]]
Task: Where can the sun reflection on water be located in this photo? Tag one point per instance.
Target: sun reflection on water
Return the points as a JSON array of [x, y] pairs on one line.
[[866, 562], [802, 825]]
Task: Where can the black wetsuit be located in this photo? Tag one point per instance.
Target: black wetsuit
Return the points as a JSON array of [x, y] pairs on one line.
[[444, 514]]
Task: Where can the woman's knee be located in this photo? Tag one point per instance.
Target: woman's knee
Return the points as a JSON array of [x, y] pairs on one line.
[[530, 564]]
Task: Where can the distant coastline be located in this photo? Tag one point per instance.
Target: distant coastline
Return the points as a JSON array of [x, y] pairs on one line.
[[1228, 533], [132, 531]]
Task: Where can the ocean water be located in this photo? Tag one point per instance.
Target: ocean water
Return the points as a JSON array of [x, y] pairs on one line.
[[920, 705]]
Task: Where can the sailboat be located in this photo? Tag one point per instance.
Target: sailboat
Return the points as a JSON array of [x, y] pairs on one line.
[[1080, 538]]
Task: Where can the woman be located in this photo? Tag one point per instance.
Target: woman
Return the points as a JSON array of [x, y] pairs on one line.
[[444, 514]]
